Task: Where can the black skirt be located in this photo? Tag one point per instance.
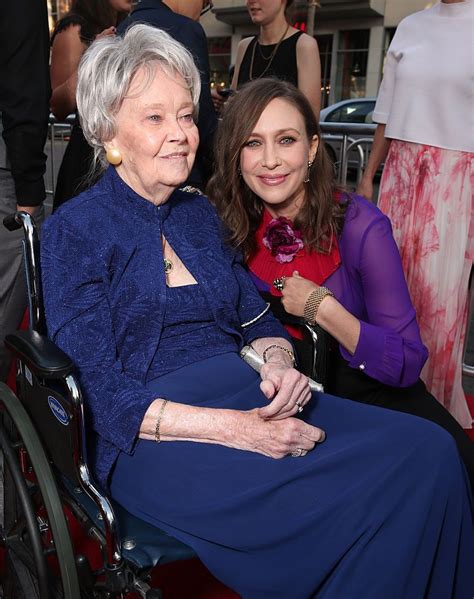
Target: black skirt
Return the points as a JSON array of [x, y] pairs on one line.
[[74, 172]]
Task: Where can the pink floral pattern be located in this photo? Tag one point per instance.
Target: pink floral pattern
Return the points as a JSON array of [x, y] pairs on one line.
[[428, 194]]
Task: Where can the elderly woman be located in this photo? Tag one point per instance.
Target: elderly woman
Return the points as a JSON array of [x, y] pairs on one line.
[[143, 294]]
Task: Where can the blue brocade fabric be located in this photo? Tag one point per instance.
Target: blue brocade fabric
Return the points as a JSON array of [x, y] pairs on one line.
[[189, 332]]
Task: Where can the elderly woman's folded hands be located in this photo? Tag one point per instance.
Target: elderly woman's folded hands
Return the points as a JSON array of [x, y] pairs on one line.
[[271, 430], [287, 389], [277, 438]]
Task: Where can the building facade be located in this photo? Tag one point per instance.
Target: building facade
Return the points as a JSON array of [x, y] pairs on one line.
[[353, 37]]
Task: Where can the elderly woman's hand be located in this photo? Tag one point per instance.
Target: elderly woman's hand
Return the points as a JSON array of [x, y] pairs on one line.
[[287, 389], [277, 438], [295, 292]]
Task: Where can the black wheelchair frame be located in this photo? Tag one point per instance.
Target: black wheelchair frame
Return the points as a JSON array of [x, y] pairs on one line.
[[47, 481]]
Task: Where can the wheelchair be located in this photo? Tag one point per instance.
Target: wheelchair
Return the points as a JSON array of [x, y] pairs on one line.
[[61, 536]]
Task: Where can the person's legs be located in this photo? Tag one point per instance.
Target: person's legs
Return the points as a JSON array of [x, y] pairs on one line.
[[12, 280], [427, 194], [13, 299], [417, 400]]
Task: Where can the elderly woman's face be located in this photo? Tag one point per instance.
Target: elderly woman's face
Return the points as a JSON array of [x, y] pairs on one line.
[[156, 135]]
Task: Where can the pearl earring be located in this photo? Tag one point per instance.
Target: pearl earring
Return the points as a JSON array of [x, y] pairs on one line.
[[113, 156]]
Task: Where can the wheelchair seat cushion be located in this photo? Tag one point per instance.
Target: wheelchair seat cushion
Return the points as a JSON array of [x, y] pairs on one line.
[[143, 544]]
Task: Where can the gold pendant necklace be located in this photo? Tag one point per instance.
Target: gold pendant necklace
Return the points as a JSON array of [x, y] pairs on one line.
[[270, 58], [168, 265]]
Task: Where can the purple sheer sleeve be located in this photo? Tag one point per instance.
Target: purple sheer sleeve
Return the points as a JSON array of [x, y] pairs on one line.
[[390, 347]]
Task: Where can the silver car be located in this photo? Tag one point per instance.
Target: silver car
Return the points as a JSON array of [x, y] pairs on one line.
[[351, 118]]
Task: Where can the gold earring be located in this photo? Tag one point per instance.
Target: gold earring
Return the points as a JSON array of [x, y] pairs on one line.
[[310, 164], [113, 156]]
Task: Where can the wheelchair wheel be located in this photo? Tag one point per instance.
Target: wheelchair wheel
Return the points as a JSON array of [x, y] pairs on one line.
[[39, 559]]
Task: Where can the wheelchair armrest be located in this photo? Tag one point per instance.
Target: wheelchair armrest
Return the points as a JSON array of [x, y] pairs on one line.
[[40, 354]]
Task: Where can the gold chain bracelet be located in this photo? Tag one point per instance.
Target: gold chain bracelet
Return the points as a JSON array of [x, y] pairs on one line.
[[158, 421], [275, 346]]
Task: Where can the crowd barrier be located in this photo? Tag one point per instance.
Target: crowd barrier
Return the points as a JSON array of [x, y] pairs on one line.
[[351, 143]]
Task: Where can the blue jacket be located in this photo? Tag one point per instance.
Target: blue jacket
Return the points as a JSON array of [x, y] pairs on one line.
[[105, 290], [192, 36]]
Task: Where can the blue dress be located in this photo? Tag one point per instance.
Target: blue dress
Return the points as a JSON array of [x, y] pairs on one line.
[[348, 520]]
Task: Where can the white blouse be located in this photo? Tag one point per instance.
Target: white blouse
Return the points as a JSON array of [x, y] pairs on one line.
[[427, 91]]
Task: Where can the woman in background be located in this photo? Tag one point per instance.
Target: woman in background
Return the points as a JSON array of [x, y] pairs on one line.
[[426, 136], [279, 50], [87, 20], [320, 255]]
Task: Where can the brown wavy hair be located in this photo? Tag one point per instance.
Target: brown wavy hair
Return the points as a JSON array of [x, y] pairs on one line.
[[320, 217], [99, 14]]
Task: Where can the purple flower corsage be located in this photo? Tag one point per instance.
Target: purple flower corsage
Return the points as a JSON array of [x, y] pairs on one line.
[[282, 240]]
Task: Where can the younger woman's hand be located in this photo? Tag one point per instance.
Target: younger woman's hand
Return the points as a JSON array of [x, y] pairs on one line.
[[296, 291]]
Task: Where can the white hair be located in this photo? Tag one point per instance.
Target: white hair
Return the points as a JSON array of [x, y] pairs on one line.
[[106, 71]]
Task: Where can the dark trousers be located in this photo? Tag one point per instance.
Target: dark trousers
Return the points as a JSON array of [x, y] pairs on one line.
[[74, 174], [354, 384], [13, 295]]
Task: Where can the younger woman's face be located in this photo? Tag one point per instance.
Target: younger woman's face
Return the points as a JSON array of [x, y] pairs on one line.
[[274, 159]]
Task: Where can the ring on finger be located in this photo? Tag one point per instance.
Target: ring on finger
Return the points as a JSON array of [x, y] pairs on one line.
[[300, 406], [297, 453], [279, 283]]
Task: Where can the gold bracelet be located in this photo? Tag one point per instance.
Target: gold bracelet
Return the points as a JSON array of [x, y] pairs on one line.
[[158, 421], [313, 302], [273, 346]]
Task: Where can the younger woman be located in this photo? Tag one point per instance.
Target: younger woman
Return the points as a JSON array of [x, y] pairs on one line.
[[321, 256]]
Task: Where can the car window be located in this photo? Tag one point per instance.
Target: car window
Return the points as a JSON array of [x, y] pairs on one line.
[[353, 112]]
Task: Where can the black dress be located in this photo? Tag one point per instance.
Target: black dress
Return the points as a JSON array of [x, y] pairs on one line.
[[74, 173], [283, 65]]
